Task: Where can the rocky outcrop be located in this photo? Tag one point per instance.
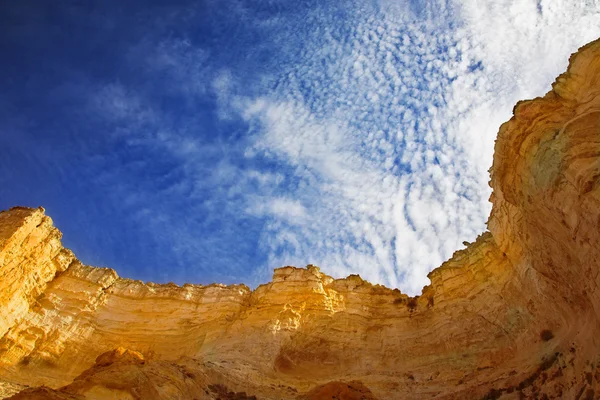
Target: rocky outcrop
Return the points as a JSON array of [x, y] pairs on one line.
[[340, 391], [514, 315], [126, 375]]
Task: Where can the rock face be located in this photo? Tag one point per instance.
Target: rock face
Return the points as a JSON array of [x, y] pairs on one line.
[[514, 315]]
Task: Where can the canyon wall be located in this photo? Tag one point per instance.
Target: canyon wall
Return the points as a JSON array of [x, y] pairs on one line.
[[514, 315]]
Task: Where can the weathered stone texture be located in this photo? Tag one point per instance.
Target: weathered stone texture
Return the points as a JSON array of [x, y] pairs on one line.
[[514, 315]]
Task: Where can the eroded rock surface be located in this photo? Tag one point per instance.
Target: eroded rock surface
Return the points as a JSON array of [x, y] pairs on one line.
[[514, 315]]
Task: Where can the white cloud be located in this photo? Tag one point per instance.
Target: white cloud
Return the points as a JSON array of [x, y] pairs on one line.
[[222, 87], [283, 209], [389, 132], [377, 129]]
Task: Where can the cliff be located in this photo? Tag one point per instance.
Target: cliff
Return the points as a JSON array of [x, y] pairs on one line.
[[514, 315]]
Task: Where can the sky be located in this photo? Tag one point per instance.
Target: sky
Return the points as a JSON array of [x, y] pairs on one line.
[[212, 141]]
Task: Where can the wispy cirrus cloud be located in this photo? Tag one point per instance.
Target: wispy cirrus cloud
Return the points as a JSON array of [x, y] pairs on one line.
[[387, 125], [352, 135]]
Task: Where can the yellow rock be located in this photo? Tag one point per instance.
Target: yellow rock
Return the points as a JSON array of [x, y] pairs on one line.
[[514, 315]]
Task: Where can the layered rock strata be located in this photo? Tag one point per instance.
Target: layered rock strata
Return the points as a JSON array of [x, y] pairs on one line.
[[514, 315]]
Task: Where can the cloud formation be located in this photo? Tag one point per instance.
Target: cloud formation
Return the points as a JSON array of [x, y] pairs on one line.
[[387, 129], [218, 140], [366, 149]]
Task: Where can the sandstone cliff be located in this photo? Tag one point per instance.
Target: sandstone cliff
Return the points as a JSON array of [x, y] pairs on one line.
[[514, 315]]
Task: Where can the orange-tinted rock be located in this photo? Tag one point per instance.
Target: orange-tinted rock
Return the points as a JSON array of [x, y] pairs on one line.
[[514, 315], [123, 374], [354, 390], [44, 393], [120, 355]]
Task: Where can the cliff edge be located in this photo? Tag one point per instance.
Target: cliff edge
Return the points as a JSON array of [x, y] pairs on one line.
[[514, 315]]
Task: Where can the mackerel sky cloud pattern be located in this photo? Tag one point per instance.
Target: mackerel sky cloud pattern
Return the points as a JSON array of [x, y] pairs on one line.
[[229, 138]]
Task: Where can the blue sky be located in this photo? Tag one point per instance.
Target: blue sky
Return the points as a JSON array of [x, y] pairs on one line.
[[212, 141]]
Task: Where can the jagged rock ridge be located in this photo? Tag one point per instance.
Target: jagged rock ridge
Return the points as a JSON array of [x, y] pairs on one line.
[[514, 315]]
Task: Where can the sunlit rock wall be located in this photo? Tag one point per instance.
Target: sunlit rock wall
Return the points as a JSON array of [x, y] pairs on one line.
[[514, 315]]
